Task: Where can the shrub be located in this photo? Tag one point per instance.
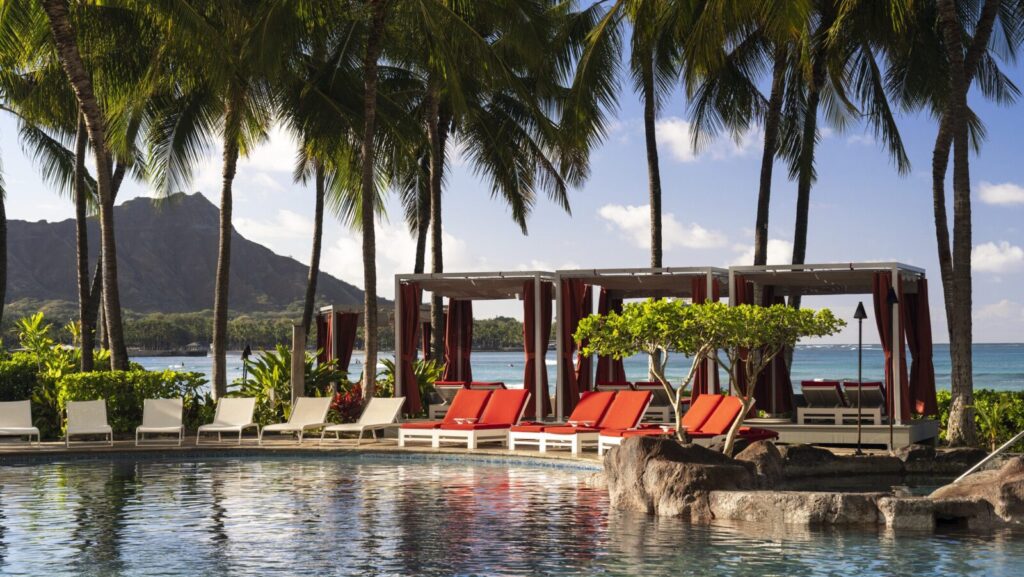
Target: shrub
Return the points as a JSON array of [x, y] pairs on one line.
[[347, 405], [427, 373], [268, 380], [125, 391], [998, 415], [19, 376]]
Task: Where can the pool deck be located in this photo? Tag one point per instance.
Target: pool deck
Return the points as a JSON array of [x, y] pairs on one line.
[[20, 452]]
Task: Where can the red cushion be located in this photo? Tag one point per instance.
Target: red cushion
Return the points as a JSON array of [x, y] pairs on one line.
[[700, 411], [504, 407], [422, 425], [723, 416], [626, 410], [571, 430], [757, 434], [531, 428], [592, 407], [472, 427], [467, 404]]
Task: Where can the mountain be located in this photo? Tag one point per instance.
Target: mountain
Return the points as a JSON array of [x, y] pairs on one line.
[[166, 259]]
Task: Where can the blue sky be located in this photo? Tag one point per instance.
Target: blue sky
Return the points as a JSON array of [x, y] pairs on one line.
[[861, 210]]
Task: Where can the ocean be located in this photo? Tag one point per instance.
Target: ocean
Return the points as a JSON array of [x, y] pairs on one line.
[[996, 366]]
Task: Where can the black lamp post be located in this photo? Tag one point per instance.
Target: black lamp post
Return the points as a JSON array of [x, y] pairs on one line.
[[246, 353], [893, 341], [860, 315]]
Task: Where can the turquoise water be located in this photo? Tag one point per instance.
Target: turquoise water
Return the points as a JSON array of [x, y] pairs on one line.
[[996, 366], [367, 517]]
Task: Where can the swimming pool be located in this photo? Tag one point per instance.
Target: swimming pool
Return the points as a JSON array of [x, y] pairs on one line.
[[361, 515]]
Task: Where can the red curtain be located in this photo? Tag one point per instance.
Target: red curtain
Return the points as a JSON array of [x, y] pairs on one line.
[[573, 292], [530, 344], [425, 333], [743, 294], [344, 333], [699, 295], [583, 362], [411, 296], [776, 371], [458, 341], [918, 321], [324, 326], [609, 370], [881, 283]]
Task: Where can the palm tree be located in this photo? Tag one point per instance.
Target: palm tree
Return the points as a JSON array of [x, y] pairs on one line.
[[946, 47], [95, 121], [229, 82]]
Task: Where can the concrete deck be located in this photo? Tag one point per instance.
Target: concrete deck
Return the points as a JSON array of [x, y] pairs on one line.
[[14, 452]]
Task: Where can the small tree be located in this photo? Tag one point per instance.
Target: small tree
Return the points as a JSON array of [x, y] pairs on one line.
[[655, 327], [749, 337]]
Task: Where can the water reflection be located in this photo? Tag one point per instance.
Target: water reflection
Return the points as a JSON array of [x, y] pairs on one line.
[[350, 516]]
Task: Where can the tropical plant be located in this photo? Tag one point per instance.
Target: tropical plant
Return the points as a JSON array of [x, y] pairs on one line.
[[745, 339], [658, 328], [427, 371], [268, 380]]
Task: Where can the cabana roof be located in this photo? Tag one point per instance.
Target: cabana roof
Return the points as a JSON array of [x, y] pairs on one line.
[[476, 285], [631, 283], [827, 279]]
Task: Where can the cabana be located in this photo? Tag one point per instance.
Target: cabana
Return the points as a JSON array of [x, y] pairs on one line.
[[900, 295], [336, 335], [461, 289], [574, 300]]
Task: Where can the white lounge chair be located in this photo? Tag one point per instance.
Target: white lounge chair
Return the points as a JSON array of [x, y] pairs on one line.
[[161, 417], [88, 418], [379, 414], [309, 413], [16, 420], [234, 415]]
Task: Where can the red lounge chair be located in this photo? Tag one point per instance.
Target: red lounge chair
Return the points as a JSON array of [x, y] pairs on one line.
[[590, 409], [693, 420], [446, 390], [504, 409], [613, 386], [486, 386], [625, 412], [719, 422], [467, 404]]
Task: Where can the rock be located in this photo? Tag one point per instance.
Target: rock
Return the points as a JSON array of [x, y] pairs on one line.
[[907, 513], [662, 477], [957, 461], [767, 462], [974, 514], [796, 507], [738, 446], [807, 461], [1002, 488], [596, 481]]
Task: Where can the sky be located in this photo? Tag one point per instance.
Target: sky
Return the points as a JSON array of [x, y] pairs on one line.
[[861, 210]]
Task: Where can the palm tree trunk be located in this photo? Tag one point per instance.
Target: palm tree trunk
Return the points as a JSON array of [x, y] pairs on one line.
[[805, 178], [81, 84], [82, 251], [434, 139], [961, 422], [422, 217], [374, 45], [772, 120], [314, 259], [653, 170], [232, 126]]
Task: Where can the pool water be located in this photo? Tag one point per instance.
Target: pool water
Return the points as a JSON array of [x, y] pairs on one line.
[[345, 515]]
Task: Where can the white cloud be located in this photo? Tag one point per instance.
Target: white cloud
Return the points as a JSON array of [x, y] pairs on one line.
[[1004, 310], [396, 253], [861, 139], [992, 257], [634, 222], [286, 224], [677, 135], [1000, 194], [779, 252]]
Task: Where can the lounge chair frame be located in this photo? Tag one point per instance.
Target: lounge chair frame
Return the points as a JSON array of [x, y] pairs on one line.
[[580, 440], [143, 429], [94, 407], [16, 412], [220, 429], [360, 427], [300, 428], [474, 437]]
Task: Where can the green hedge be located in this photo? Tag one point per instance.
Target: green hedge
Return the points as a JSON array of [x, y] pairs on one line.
[[125, 391], [19, 376], [998, 415]]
